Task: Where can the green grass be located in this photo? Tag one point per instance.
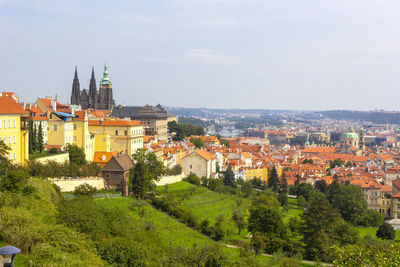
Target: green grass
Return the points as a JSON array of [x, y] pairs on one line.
[[205, 203], [371, 231], [293, 210], [170, 231]]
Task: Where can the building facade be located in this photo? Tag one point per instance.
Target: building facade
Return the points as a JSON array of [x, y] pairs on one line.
[[123, 136], [156, 118], [14, 128], [93, 98]]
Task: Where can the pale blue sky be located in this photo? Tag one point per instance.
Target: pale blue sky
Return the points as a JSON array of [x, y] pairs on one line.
[[273, 54]]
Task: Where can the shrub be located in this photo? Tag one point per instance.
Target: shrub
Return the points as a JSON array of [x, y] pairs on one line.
[[385, 231], [193, 179], [85, 190]]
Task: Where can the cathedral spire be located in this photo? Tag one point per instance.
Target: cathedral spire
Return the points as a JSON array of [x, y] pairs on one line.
[[92, 91], [76, 90], [76, 73], [105, 79]]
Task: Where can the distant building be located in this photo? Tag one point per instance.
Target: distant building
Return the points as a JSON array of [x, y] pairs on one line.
[[156, 117], [200, 162], [91, 98]]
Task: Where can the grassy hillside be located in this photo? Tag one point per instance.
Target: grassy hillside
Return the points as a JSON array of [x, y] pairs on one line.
[[170, 231]]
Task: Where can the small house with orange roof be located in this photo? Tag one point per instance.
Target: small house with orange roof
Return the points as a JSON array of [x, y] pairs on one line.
[[102, 158], [200, 162]]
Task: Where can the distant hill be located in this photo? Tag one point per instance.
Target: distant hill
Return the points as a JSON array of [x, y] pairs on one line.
[[372, 116]]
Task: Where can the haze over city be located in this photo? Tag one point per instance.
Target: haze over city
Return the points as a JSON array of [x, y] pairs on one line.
[[210, 53]]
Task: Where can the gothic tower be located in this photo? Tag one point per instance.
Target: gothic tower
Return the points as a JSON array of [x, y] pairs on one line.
[[361, 142], [93, 91], [105, 98], [76, 90]]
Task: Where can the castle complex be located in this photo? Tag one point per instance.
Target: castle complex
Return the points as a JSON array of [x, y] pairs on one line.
[[102, 99]]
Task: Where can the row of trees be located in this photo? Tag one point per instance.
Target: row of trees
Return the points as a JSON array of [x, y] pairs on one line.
[[36, 143], [182, 130]]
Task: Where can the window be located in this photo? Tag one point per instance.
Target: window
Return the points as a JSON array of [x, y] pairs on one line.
[[14, 141], [13, 123], [74, 126], [13, 155], [0, 123], [4, 124], [55, 128], [116, 132], [126, 132], [190, 166], [9, 139], [9, 123]]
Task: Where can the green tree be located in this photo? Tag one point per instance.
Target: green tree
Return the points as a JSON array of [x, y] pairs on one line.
[[35, 139], [323, 227], [13, 181], [229, 177], [385, 231], [238, 219], [321, 186], [247, 188], [197, 142], [40, 142], [85, 190], [305, 190], [146, 170], [31, 137], [4, 160], [336, 163], [76, 154], [350, 202], [273, 180]]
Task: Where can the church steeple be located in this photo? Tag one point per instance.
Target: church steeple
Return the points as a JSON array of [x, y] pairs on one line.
[[76, 89], [92, 91], [106, 79]]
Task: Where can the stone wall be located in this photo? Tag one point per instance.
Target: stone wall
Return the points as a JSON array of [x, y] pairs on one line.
[[68, 185], [170, 179], [59, 158]]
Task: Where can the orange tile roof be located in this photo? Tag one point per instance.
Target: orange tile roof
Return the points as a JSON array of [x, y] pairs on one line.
[[103, 157], [204, 154], [114, 123], [9, 106]]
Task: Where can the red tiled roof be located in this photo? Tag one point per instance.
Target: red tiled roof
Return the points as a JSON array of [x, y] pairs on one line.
[[114, 123], [9, 106]]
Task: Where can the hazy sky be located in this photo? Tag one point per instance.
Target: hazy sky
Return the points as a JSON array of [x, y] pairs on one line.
[[310, 54]]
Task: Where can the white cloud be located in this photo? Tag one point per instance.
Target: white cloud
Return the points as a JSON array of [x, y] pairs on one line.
[[209, 56]]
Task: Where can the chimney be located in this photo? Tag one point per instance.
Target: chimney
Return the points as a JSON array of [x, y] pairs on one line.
[[54, 105]]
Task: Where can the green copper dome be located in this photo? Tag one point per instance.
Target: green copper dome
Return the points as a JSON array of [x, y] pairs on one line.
[[350, 133], [105, 79]]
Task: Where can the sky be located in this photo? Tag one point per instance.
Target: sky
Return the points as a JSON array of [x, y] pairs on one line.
[[269, 54]]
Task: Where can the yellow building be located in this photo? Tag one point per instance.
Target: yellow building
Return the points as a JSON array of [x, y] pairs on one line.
[[14, 128], [61, 130], [102, 142], [125, 136], [259, 172], [82, 137]]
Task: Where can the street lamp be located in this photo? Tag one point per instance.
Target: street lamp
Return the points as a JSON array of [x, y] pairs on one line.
[[8, 253]]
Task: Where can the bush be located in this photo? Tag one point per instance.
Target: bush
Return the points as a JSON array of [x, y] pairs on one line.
[[85, 190], [386, 232], [206, 228], [176, 170], [193, 179]]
